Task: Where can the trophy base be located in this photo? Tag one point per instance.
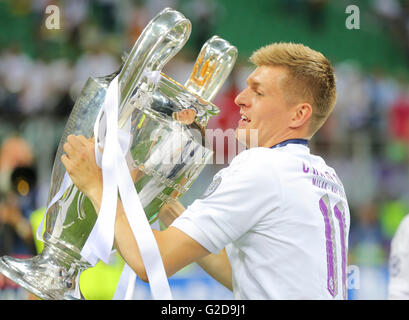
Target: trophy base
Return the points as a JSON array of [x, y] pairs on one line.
[[44, 275]]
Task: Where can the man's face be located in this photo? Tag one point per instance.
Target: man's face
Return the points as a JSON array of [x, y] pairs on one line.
[[263, 108]]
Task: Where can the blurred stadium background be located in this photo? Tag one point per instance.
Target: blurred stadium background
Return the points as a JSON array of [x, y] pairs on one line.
[[366, 138]]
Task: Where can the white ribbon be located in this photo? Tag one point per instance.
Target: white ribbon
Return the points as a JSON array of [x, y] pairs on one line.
[[119, 177], [100, 241], [126, 284], [66, 183]]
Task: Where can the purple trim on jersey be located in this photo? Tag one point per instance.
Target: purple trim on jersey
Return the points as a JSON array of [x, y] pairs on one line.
[[331, 281], [295, 141], [339, 214]]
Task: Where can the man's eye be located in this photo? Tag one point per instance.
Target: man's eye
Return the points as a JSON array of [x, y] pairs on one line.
[[258, 93]]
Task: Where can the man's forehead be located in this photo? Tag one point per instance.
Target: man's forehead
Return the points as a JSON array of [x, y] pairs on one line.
[[266, 75]]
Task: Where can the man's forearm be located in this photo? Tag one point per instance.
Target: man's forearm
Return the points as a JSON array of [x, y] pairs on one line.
[[125, 243], [124, 238], [216, 265], [176, 248]]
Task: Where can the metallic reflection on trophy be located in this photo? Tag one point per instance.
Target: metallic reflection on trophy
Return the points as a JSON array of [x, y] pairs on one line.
[[166, 154]]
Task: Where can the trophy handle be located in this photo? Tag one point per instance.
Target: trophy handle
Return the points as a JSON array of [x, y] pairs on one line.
[[213, 65], [161, 39]]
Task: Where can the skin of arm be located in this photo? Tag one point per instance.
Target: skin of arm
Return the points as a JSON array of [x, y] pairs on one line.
[[216, 265], [176, 248]]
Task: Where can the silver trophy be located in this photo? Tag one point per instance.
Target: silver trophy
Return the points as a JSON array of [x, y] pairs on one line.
[[166, 153]]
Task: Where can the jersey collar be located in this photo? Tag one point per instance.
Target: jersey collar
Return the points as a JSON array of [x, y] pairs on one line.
[[294, 141]]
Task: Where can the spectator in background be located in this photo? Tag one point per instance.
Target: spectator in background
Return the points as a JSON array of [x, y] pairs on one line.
[[16, 160], [75, 12], [204, 15], [394, 14], [14, 152], [95, 62], [399, 118], [36, 93], [316, 10], [14, 66], [366, 238], [153, 7], [399, 263], [16, 236], [106, 12], [353, 98], [382, 91], [137, 18], [60, 79], [32, 86], [367, 251]]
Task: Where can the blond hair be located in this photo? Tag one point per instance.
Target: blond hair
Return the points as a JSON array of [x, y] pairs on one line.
[[310, 78]]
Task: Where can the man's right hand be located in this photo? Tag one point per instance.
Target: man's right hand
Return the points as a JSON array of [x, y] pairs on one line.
[[79, 161]]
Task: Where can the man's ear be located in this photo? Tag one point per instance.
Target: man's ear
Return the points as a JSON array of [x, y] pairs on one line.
[[302, 114]]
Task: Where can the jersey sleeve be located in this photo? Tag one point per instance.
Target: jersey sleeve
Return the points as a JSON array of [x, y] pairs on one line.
[[237, 200]]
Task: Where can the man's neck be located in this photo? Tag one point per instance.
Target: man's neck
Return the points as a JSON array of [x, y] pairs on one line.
[[279, 139]]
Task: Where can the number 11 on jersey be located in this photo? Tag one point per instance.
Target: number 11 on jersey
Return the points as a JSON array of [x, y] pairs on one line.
[[339, 212]]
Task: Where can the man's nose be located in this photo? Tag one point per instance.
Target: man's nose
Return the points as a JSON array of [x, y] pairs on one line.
[[241, 99]]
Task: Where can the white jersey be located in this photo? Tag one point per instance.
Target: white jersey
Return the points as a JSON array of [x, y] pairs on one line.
[[284, 220], [399, 262]]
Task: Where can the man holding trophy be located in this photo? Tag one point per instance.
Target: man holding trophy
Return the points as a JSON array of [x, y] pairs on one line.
[[272, 225], [275, 223]]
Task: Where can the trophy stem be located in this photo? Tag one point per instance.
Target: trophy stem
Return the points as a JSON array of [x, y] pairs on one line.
[[52, 275]]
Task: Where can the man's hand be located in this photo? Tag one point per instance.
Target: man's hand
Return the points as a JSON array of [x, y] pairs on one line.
[[79, 161]]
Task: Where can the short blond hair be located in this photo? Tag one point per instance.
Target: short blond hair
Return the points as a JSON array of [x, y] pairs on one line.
[[310, 78]]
